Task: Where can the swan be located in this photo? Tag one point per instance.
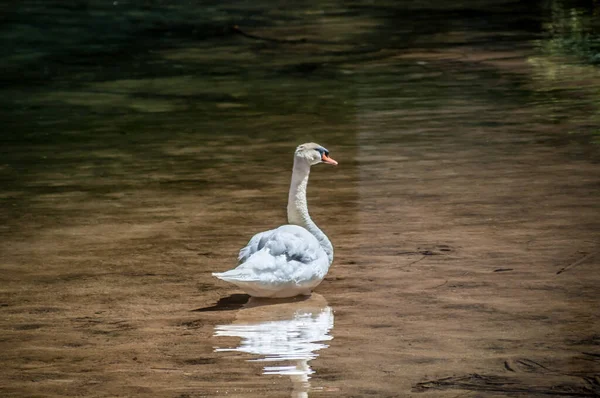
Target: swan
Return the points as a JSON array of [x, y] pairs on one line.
[[293, 259]]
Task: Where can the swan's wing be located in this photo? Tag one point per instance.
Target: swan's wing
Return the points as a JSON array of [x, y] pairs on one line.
[[278, 255], [292, 243], [253, 246]]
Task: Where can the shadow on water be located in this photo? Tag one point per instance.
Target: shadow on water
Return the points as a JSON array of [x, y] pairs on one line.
[[237, 301], [229, 303], [286, 335]]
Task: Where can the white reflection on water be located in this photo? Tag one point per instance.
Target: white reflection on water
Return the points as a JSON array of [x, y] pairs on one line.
[[288, 332]]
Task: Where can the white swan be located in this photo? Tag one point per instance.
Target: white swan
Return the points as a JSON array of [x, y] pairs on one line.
[[293, 259]]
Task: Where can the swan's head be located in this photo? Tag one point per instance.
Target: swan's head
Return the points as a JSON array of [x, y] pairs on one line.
[[314, 154]]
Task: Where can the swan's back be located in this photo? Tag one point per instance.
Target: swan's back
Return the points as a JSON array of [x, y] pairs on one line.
[[288, 258], [292, 240]]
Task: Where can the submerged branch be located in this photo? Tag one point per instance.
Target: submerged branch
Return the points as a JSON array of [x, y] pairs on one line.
[[237, 30], [576, 263]]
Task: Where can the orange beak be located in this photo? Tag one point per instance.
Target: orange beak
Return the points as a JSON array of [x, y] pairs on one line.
[[328, 160]]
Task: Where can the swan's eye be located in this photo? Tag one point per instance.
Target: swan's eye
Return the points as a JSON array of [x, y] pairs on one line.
[[323, 152]]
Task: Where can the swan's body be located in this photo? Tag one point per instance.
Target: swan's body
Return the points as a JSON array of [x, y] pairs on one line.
[[293, 259]]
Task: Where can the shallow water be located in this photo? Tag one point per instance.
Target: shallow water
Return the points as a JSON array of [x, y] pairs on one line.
[[145, 143]]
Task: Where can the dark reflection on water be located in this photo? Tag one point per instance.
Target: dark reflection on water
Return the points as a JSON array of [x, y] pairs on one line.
[[122, 77]]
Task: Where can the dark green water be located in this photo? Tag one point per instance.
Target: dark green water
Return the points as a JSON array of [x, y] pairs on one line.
[[106, 87]]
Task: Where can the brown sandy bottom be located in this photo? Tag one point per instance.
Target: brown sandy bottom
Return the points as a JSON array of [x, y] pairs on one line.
[[445, 283]]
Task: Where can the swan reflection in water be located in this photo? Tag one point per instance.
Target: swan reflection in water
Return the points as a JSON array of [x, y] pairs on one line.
[[284, 330]]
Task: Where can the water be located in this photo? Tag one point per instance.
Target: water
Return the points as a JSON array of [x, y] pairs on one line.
[[144, 143]]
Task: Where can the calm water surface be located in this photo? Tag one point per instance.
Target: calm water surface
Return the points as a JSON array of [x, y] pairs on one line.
[[145, 142]]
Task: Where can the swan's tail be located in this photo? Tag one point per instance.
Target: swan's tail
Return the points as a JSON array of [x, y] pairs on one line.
[[253, 287], [250, 270], [247, 276], [232, 276]]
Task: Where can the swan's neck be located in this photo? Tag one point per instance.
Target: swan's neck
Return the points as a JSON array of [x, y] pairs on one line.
[[297, 209]]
